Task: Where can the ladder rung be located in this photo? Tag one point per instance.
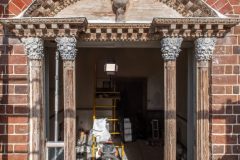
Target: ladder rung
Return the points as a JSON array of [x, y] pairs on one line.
[[107, 98], [112, 119], [114, 133], [105, 106]]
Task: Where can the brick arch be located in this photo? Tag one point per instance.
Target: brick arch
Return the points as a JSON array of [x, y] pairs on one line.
[[187, 8], [227, 7], [10, 8]]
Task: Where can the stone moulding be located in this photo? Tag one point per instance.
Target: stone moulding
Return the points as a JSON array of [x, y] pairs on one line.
[[160, 27]]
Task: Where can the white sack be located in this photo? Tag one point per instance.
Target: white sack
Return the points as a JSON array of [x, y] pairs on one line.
[[100, 131]]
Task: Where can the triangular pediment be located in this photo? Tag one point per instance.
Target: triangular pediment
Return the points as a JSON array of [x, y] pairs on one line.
[[136, 10]]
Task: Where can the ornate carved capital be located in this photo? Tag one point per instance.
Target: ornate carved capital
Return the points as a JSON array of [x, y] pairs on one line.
[[170, 47], [67, 47], [204, 48], [33, 47]]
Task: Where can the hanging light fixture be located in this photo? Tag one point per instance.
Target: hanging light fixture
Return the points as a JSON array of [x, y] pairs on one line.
[[110, 68]]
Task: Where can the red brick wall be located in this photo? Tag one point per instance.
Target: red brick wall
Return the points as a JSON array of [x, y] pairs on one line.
[[10, 8], [14, 109], [225, 89]]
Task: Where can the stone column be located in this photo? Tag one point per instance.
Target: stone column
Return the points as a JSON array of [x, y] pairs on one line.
[[203, 49], [170, 47], [34, 50], [67, 49]]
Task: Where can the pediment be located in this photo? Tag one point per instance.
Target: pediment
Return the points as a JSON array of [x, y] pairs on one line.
[[136, 10]]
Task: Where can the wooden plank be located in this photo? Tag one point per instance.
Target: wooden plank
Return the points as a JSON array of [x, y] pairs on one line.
[[170, 110], [69, 110], [202, 112], [37, 112]]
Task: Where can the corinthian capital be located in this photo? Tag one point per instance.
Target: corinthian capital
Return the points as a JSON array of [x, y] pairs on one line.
[[170, 47], [204, 48], [33, 47], [66, 46]]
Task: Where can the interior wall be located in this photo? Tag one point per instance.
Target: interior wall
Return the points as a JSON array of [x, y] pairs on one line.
[[132, 62]]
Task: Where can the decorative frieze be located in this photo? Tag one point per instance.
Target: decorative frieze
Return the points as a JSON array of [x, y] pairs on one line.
[[204, 48], [170, 48], [67, 47], [189, 28], [33, 47]]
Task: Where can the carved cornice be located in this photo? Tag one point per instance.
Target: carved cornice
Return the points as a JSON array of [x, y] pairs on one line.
[[46, 27], [33, 48], [170, 48], [66, 46], [193, 27], [204, 48], [189, 28], [188, 8]]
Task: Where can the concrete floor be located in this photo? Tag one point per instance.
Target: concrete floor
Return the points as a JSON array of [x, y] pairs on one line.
[[140, 150]]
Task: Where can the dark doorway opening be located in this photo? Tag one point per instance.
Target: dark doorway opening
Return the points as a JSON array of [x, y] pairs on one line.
[[133, 104]]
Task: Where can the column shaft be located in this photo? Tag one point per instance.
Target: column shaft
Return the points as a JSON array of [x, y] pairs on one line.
[[170, 48], [69, 110], [170, 110], [203, 49], [34, 50], [37, 112], [67, 49], [202, 112]]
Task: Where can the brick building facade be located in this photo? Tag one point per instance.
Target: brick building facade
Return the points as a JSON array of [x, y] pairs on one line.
[[224, 85]]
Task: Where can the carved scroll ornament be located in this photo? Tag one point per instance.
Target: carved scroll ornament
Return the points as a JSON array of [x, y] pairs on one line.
[[119, 8], [33, 47], [170, 47], [67, 47], [204, 48]]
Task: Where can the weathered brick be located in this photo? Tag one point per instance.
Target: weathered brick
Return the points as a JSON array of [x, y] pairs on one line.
[[236, 49], [236, 149], [228, 40], [2, 129], [21, 89], [229, 90], [219, 4], [21, 109], [223, 79], [15, 99], [236, 69], [224, 139], [218, 69], [21, 129], [19, 4], [13, 119], [226, 9], [234, 2], [236, 9], [235, 89], [13, 9], [224, 99], [227, 59], [20, 148], [236, 129], [18, 49], [228, 69], [221, 129], [218, 90], [20, 69], [14, 157], [218, 149], [224, 119]]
